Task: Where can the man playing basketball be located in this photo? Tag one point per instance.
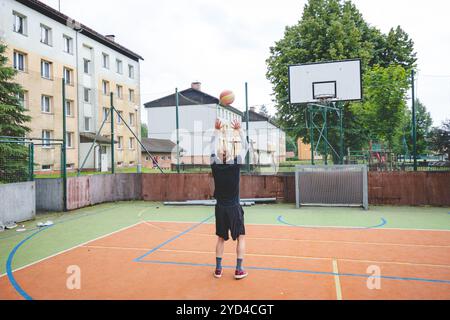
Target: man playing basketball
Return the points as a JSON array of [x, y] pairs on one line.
[[225, 165]]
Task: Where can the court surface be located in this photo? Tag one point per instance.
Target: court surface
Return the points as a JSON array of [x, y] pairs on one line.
[[144, 250]]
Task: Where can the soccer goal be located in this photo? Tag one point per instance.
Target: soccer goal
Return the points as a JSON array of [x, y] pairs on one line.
[[333, 186]]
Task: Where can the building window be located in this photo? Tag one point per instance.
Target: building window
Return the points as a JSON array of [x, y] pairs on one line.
[[87, 95], [119, 117], [147, 158], [46, 136], [68, 44], [119, 67], [131, 143], [20, 23], [105, 59], [46, 167], [19, 61], [68, 76], [120, 143], [130, 71], [87, 66], [87, 124], [105, 114], [131, 163], [69, 139], [69, 104], [105, 87], [46, 35], [131, 95], [119, 164], [131, 119], [70, 166], [119, 90], [46, 69], [46, 104], [22, 97]]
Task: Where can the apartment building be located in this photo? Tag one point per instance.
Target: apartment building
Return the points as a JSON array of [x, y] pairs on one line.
[[46, 46]]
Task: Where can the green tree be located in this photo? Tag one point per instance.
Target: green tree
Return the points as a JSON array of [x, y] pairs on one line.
[[329, 30], [398, 50], [383, 112], [263, 110], [13, 156], [440, 139], [424, 124], [144, 130]]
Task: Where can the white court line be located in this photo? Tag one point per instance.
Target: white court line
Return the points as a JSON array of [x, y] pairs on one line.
[[337, 281], [270, 256], [77, 246], [311, 226], [307, 240]]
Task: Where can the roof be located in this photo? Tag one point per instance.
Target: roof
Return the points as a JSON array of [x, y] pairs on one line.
[[188, 97], [158, 145], [255, 117], [90, 137], [85, 30]]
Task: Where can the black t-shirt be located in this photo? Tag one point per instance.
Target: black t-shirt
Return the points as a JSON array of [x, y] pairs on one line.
[[226, 181]]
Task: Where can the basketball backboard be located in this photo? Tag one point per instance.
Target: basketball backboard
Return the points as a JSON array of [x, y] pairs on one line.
[[333, 80]]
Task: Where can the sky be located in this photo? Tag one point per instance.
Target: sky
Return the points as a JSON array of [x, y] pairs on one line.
[[224, 44]]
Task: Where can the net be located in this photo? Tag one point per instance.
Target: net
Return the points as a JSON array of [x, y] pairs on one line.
[[337, 185]]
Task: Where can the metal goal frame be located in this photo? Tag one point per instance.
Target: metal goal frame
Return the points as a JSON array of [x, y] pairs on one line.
[[331, 186]]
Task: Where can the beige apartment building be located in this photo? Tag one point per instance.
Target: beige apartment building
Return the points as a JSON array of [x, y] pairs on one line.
[[45, 47]]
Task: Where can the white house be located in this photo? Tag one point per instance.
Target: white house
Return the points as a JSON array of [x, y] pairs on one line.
[[268, 141], [197, 114]]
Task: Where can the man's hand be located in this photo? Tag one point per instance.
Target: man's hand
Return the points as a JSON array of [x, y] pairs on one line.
[[236, 125], [218, 125]]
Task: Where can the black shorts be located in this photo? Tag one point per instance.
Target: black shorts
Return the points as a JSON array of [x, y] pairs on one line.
[[229, 218]]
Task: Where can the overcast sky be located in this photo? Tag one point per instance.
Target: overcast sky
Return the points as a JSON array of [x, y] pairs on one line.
[[224, 44]]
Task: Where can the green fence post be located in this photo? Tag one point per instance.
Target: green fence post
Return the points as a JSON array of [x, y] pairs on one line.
[[31, 161], [64, 150], [247, 114], [177, 102], [414, 122], [112, 133]]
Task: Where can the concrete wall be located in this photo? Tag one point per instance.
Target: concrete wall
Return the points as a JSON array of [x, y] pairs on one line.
[[89, 190], [18, 202], [49, 195]]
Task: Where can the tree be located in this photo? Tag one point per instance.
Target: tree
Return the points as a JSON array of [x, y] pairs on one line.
[[440, 139], [144, 130], [13, 156], [398, 50], [383, 111], [423, 128], [263, 110], [331, 30]]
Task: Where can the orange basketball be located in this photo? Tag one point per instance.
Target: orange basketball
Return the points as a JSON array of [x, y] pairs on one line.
[[227, 97]]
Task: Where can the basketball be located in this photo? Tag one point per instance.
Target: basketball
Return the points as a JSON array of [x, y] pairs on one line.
[[227, 97]]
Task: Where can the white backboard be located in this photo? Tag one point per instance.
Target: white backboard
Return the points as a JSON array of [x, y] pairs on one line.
[[338, 80]]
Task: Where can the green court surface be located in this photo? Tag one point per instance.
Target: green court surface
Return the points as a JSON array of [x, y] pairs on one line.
[[80, 226]]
